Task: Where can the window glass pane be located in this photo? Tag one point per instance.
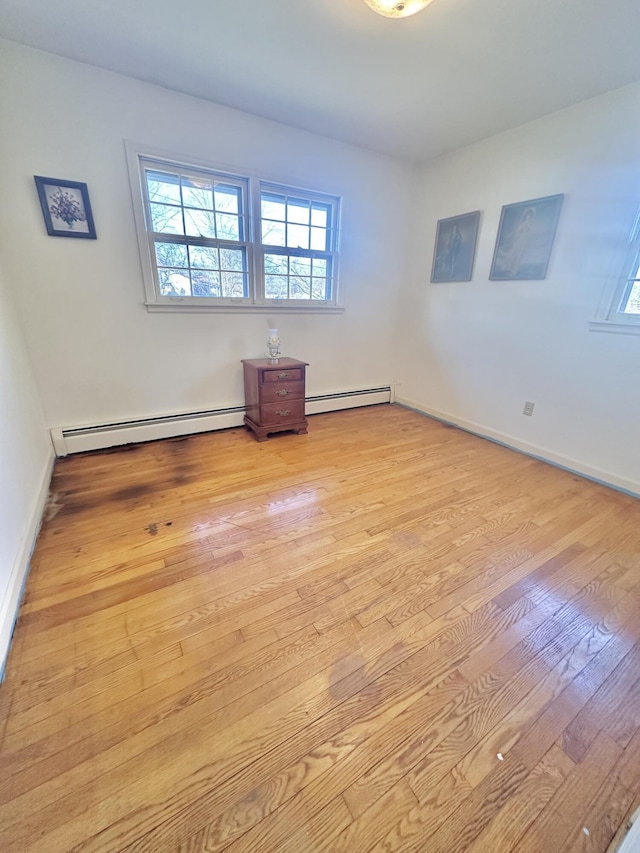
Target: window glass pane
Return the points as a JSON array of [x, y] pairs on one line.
[[273, 206], [320, 288], [166, 220], [297, 237], [276, 287], [205, 283], [299, 283], [228, 226], [633, 302], [163, 188], [319, 215], [300, 287], [200, 223], [319, 266], [171, 255], [174, 282], [233, 284], [319, 239], [204, 257], [273, 233], [227, 199], [300, 266], [232, 259], [298, 211], [197, 193], [276, 264]]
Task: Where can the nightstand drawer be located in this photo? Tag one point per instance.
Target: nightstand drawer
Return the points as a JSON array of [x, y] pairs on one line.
[[281, 393], [280, 374], [275, 413]]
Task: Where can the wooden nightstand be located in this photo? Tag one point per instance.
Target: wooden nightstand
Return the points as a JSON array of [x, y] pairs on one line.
[[274, 396]]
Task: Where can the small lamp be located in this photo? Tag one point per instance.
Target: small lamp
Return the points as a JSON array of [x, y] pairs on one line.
[[273, 346]]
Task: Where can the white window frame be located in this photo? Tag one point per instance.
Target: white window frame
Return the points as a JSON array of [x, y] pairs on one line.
[[610, 317], [329, 254], [140, 157]]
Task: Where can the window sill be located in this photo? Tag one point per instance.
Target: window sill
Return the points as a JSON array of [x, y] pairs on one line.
[[613, 327], [274, 308]]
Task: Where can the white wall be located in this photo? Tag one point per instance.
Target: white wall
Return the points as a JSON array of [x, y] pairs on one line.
[[25, 458], [471, 352], [98, 355], [474, 352]]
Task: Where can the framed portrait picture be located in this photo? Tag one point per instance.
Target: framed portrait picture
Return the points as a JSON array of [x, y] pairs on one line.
[[525, 239], [455, 248], [66, 208]]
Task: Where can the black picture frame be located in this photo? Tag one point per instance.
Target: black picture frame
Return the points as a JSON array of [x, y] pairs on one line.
[[525, 239], [455, 248], [66, 208]]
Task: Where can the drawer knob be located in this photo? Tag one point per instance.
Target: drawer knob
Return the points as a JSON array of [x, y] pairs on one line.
[[284, 412], [283, 376], [283, 392]]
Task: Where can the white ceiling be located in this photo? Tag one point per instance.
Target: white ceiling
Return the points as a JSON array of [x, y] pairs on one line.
[[457, 72]]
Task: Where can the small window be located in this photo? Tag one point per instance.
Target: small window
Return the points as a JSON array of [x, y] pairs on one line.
[[198, 227], [620, 312], [298, 245], [201, 247], [630, 302]]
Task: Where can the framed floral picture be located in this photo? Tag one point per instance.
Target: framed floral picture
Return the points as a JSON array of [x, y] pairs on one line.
[[455, 248], [525, 239], [66, 208]]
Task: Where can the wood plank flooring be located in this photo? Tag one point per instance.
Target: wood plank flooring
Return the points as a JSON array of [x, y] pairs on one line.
[[386, 635]]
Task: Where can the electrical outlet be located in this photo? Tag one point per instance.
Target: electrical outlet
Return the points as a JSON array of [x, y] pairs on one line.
[[528, 409]]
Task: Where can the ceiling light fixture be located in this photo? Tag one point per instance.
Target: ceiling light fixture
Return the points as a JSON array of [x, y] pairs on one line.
[[397, 8]]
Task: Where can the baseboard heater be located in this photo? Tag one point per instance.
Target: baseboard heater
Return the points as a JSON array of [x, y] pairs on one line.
[[68, 440]]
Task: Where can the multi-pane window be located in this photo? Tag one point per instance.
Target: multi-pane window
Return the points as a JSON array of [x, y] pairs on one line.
[[198, 228], [624, 308], [298, 238], [619, 309], [213, 239], [630, 302]]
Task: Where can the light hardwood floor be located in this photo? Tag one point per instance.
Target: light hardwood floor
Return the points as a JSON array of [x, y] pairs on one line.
[[387, 635]]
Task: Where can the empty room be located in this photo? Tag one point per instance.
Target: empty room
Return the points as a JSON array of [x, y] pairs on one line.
[[320, 399]]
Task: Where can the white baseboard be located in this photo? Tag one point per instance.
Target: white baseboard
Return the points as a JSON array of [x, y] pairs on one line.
[[68, 440], [10, 604], [78, 439], [347, 400], [631, 842], [575, 466]]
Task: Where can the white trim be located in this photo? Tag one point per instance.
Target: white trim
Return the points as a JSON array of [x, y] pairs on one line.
[[58, 441], [10, 604], [133, 156], [318, 405], [137, 155], [575, 466], [197, 162], [78, 439], [614, 327], [271, 307], [631, 842], [608, 317], [262, 249]]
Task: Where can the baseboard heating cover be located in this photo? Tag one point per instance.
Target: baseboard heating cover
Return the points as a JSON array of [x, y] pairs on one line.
[[79, 439]]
